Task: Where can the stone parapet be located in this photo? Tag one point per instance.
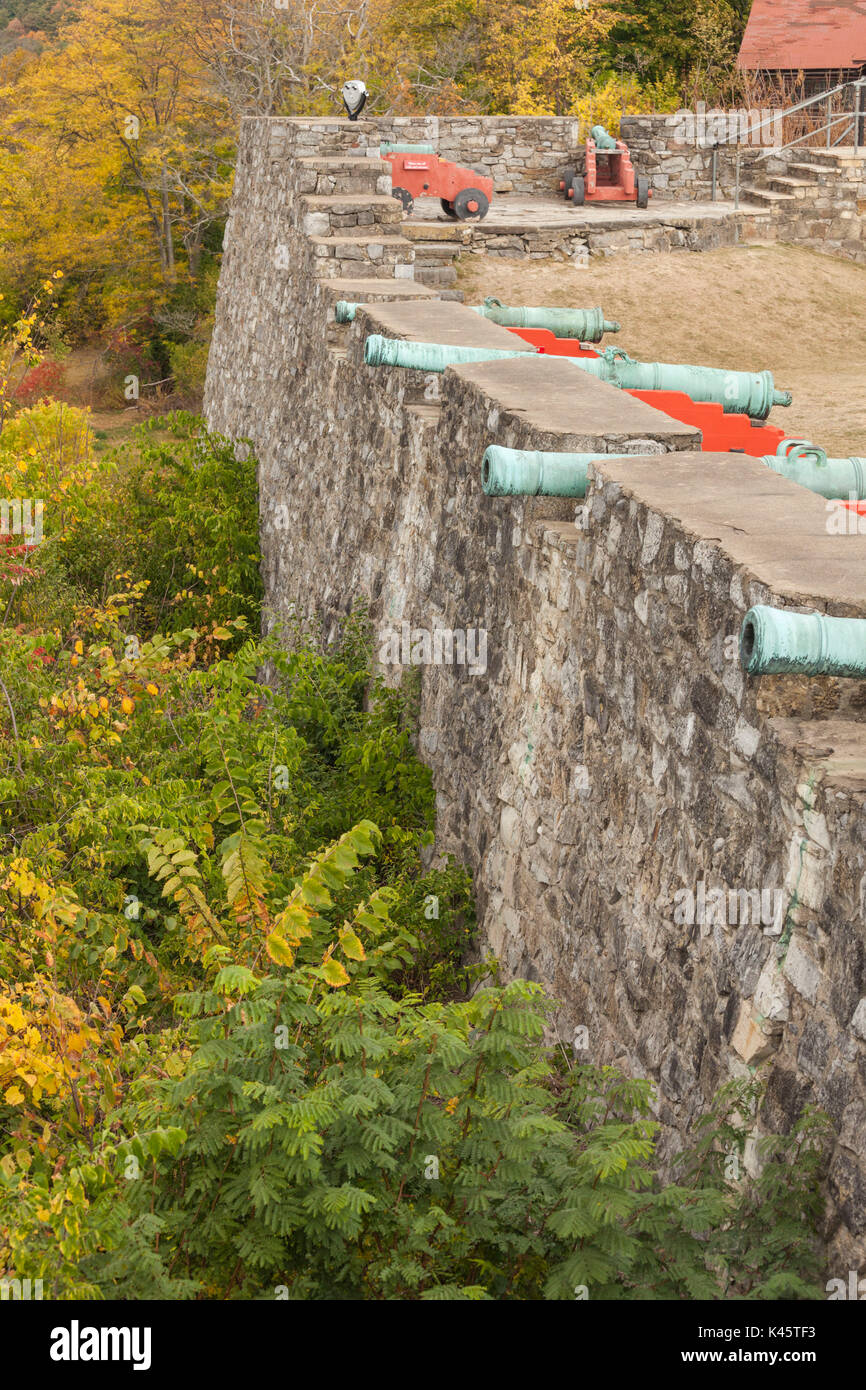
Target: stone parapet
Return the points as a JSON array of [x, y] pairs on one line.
[[677, 852]]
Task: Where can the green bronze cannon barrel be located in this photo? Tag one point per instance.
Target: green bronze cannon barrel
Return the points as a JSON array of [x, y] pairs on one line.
[[588, 325], [386, 148], [532, 473], [428, 357], [774, 641], [804, 463], [603, 141], [739, 393]]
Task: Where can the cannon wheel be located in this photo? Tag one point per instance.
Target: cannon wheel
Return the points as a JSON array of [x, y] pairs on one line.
[[447, 207], [578, 191], [470, 203], [642, 191], [405, 197], [566, 181]]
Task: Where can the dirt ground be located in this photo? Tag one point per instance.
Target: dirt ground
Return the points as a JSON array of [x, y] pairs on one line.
[[797, 313], [81, 369]]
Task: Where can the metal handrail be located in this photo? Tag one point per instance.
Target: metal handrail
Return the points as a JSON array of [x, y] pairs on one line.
[[779, 149], [810, 101], [852, 121]]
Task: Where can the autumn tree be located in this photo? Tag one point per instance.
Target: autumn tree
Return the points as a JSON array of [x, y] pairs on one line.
[[434, 56], [117, 140], [275, 57], [655, 37], [121, 125], [543, 54]]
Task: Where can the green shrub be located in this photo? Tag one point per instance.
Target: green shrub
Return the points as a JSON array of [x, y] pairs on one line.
[[242, 1054], [188, 366]]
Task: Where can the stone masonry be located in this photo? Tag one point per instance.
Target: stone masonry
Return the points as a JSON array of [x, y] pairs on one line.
[[522, 154], [817, 196], [611, 756]]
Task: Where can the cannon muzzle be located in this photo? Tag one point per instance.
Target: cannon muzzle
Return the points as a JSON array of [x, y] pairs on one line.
[[532, 473], [804, 463], [428, 357], [587, 325], [774, 641]]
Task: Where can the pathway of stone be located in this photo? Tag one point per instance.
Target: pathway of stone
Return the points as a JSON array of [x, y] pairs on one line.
[[512, 213]]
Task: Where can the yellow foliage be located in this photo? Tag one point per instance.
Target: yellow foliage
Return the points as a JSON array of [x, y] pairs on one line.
[[120, 150], [542, 53], [49, 447], [607, 103], [60, 1053]]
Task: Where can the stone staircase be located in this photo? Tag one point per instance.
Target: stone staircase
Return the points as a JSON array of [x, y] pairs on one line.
[[806, 174], [436, 250], [353, 224], [364, 250], [816, 196]]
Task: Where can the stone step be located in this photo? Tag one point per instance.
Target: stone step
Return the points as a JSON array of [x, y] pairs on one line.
[[800, 189], [352, 202], [344, 174], [813, 172], [336, 269], [366, 237], [428, 252], [350, 162], [843, 154], [457, 232], [373, 291], [786, 184], [765, 195], [363, 255], [331, 214], [436, 275], [368, 291]]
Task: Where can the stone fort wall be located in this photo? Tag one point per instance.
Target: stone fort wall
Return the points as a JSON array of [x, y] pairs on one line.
[[611, 756]]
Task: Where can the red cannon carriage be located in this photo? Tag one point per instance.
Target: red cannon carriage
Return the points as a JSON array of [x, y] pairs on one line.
[[610, 176], [417, 172]]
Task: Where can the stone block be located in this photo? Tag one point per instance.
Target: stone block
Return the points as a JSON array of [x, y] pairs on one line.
[[802, 970], [748, 1040], [858, 1022]]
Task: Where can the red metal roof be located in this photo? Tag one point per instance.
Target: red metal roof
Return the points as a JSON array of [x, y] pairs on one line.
[[808, 34]]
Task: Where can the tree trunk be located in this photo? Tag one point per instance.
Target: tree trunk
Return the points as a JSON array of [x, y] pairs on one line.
[[168, 240]]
